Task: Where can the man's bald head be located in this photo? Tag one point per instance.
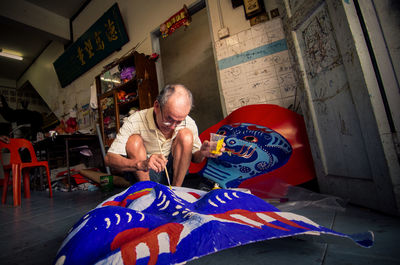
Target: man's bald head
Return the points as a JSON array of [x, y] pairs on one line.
[[178, 92]]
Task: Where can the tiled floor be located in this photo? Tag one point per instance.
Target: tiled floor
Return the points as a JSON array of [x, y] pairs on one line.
[[32, 234]]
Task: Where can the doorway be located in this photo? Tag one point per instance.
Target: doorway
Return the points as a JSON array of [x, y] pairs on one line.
[[187, 58], [340, 103]]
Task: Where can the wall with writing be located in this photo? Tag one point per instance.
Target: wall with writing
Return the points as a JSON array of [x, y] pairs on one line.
[[254, 67]]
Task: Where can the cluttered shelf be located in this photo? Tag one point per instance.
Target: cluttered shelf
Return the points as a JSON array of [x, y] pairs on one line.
[[126, 85], [125, 103], [124, 106]]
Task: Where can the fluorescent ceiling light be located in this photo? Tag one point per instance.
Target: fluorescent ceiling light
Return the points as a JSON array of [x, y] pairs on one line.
[[10, 55]]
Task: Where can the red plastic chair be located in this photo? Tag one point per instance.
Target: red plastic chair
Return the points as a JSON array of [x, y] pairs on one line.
[[20, 168]]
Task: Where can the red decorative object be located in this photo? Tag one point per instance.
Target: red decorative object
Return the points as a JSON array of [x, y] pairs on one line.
[[180, 18], [154, 56], [121, 95], [300, 167], [72, 125]]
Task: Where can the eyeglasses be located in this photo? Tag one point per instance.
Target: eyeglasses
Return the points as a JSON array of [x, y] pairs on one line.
[[168, 121]]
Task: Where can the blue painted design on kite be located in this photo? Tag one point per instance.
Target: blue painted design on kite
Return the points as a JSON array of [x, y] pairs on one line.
[[251, 150], [160, 225]]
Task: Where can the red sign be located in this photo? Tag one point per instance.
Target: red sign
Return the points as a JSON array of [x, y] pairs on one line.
[[181, 18]]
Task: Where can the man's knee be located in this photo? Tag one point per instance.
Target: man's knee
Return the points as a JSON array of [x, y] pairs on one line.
[[185, 137], [135, 146]]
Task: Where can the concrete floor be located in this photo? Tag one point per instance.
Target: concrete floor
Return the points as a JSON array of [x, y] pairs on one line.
[[32, 234]]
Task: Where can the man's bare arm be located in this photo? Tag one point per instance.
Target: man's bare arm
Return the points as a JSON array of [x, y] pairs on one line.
[[156, 162], [124, 164]]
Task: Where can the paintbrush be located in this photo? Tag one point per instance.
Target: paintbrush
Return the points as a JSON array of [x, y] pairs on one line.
[[165, 168]]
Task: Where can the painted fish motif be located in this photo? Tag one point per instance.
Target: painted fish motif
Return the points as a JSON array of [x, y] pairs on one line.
[[150, 223], [251, 150]]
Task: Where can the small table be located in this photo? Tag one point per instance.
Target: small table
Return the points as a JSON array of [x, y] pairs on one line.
[[67, 140]]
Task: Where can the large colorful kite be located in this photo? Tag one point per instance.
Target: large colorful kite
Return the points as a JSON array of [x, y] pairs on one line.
[[266, 144], [150, 223], [251, 150]]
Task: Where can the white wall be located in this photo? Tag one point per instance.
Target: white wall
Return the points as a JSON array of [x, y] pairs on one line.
[[141, 17], [222, 14], [232, 18], [44, 79]]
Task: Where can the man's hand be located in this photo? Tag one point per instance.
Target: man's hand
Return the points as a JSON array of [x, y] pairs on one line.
[[206, 150], [156, 162]]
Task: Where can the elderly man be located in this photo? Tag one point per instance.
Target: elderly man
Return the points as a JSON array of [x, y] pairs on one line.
[[165, 126]]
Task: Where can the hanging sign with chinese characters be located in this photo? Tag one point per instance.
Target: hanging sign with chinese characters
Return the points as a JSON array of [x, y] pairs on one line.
[[105, 36], [181, 18]]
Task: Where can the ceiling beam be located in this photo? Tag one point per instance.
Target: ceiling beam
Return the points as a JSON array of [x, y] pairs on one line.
[[34, 16]]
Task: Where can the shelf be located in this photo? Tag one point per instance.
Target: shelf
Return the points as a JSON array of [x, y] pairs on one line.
[[124, 86], [123, 106], [109, 112], [107, 94], [141, 91], [109, 130]]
